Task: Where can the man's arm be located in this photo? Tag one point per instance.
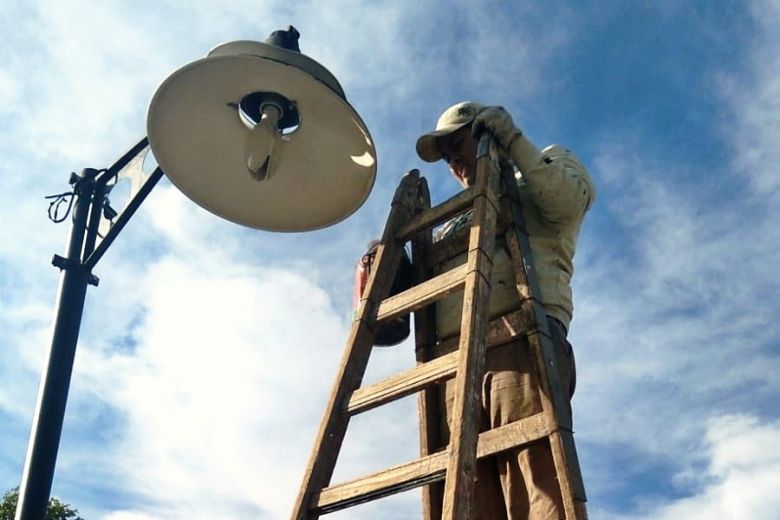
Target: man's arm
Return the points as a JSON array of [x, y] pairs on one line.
[[559, 185], [556, 181]]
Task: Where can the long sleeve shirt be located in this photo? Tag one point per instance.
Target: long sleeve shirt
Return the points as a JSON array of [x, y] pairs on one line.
[[555, 191]]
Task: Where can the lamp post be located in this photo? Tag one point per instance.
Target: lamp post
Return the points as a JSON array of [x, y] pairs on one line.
[[246, 132], [89, 192]]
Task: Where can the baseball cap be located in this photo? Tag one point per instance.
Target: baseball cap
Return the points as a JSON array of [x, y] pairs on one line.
[[454, 118]]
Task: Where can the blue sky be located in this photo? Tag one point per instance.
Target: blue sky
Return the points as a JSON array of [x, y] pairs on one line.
[[208, 349]]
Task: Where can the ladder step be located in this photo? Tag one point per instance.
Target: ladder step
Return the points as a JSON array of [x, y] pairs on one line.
[[402, 384], [427, 469], [437, 214], [383, 483], [421, 295], [456, 243], [405, 383]]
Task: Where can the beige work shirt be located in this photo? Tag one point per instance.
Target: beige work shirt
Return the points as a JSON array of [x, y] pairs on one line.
[[556, 192]]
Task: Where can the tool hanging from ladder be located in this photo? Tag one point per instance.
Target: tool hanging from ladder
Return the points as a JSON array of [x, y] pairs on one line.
[[395, 331], [447, 472]]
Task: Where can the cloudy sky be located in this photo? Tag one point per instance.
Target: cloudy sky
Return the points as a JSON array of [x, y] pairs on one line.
[[208, 349]]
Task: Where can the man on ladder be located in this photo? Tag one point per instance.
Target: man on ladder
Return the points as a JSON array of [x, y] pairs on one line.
[[556, 192]]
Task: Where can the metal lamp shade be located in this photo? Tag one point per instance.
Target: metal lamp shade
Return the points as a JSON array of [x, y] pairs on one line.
[[326, 166]]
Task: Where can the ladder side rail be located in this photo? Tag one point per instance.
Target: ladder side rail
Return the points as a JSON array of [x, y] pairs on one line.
[[353, 364], [464, 421], [519, 247], [551, 396], [554, 402], [428, 404]]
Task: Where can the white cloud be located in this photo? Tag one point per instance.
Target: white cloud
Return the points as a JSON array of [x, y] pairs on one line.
[[740, 480], [661, 322], [129, 515], [217, 397], [9, 93], [220, 396], [754, 97], [75, 84]]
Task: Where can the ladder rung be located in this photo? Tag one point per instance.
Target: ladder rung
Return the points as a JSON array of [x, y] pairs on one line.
[[518, 433], [383, 483], [421, 295], [433, 216], [427, 469], [455, 244], [500, 331], [449, 247], [402, 384]]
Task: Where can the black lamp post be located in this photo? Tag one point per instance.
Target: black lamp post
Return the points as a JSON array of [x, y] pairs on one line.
[[89, 192]]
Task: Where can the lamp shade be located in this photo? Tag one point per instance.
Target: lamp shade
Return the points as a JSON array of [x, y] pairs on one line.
[[205, 129]]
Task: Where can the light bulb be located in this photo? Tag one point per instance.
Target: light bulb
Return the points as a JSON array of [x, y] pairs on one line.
[[263, 144]]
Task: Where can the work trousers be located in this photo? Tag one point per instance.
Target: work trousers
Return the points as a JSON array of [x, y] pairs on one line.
[[520, 483]]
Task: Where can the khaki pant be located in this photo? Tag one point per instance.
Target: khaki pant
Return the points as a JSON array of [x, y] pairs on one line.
[[516, 484]]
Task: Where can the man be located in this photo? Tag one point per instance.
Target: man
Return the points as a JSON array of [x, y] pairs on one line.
[[556, 192]]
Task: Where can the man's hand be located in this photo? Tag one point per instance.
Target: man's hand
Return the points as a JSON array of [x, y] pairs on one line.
[[498, 122]]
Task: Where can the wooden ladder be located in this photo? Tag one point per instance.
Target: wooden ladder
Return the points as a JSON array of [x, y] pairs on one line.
[[448, 474]]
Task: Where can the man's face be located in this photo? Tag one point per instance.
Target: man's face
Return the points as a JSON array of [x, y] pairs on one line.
[[459, 151]]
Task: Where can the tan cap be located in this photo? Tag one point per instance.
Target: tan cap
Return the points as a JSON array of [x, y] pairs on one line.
[[454, 118]]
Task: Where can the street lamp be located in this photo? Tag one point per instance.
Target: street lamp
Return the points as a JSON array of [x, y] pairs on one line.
[[256, 133]]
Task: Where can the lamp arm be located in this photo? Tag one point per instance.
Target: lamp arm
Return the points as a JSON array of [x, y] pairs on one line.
[[95, 256]]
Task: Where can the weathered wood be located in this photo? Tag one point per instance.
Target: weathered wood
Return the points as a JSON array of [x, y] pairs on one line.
[[564, 458], [514, 435], [429, 468], [519, 244], [516, 257], [455, 244], [430, 217], [383, 483], [334, 424], [421, 295], [464, 423], [554, 402], [402, 384], [500, 330], [428, 405], [551, 391]]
